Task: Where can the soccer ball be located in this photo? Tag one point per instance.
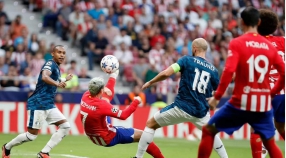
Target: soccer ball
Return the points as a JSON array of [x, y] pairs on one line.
[[109, 64]]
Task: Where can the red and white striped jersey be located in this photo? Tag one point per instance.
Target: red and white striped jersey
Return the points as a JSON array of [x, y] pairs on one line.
[[279, 44], [56, 4], [84, 27], [94, 112], [251, 57]]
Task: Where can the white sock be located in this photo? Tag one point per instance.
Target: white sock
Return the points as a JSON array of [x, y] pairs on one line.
[[219, 147], [264, 155], [57, 137], [145, 140], [20, 139]]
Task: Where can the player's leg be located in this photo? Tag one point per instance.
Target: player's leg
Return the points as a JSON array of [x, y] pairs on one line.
[[110, 85], [130, 135], [227, 119], [278, 104], [217, 145], [57, 118], [169, 115], [262, 124], [256, 145], [35, 121]]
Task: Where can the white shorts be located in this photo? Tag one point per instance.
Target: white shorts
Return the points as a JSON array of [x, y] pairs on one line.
[[36, 118], [176, 115]]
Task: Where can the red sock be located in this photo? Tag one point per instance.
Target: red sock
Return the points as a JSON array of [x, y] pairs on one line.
[[283, 135], [110, 85], [273, 149], [206, 145], [154, 151], [256, 145], [191, 128]]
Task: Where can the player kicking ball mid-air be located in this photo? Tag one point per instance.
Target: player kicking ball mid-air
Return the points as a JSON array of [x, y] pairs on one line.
[[41, 107], [269, 24], [95, 109], [250, 57], [199, 79]]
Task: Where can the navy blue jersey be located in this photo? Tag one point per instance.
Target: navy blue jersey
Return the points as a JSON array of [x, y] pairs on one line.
[[199, 79], [43, 96]]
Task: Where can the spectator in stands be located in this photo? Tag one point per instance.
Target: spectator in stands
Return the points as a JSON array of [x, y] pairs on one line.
[[110, 32], [36, 64], [19, 55], [149, 74], [159, 102], [11, 79], [131, 32], [139, 69], [22, 39], [62, 24], [75, 18], [4, 28], [111, 16], [144, 47], [89, 36], [101, 25], [157, 38], [2, 13], [3, 66], [83, 73], [28, 81], [73, 84], [48, 55], [33, 45], [17, 27], [136, 92], [155, 55], [97, 47], [73, 66], [122, 38], [124, 56], [96, 11]]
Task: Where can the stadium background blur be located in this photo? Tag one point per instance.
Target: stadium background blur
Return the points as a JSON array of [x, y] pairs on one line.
[[145, 35]]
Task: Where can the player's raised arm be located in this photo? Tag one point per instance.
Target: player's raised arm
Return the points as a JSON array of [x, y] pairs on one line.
[[109, 110], [280, 84]]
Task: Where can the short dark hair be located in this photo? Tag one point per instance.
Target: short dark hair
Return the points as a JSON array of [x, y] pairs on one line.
[[250, 16], [269, 22], [56, 47]]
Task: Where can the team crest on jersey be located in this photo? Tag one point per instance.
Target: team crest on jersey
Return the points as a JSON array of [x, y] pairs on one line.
[[49, 63], [114, 110]]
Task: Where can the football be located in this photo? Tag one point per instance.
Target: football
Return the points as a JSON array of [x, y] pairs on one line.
[[109, 64]]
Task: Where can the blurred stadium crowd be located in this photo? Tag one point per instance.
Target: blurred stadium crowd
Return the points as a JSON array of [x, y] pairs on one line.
[[145, 35]]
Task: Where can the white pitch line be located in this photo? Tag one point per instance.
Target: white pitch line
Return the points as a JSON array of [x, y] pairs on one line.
[[60, 155]]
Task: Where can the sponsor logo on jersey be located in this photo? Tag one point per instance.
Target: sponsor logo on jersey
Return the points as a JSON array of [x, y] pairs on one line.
[[114, 110], [49, 63], [254, 44], [274, 44]]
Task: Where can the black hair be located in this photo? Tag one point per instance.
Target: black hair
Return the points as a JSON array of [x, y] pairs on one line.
[[250, 16], [56, 47], [269, 22]]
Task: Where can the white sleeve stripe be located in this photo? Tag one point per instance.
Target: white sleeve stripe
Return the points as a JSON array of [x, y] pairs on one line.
[[46, 69], [119, 113]]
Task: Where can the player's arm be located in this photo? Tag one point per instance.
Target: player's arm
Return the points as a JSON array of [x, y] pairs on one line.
[[163, 75], [280, 83], [228, 72], [46, 73], [109, 110]]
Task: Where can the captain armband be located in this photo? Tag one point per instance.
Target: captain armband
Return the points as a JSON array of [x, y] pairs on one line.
[[176, 67]]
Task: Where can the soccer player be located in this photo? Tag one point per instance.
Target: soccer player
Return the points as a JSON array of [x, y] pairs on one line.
[[95, 110], [250, 57], [199, 79], [41, 106], [268, 25]]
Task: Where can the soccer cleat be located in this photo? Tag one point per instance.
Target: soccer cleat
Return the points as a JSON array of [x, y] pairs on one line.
[[264, 152], [5, 152], [43, 155]]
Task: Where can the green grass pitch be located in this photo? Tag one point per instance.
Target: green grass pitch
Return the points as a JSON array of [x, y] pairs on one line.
[[81, 147]]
